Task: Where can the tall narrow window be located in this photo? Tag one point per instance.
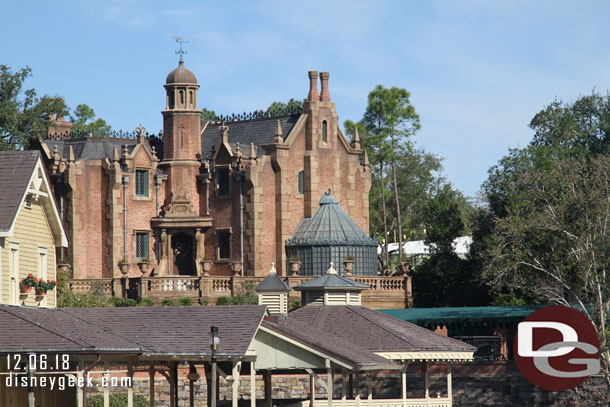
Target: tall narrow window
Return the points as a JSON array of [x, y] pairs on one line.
[[142, 183], [222, 181], [223, 238], [181, 98], [192, 98], [324, 131], [142, 246], [14, 274], [301, 185]]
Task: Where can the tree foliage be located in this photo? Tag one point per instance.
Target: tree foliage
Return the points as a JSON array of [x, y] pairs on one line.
[[84, 121], [23, 114]]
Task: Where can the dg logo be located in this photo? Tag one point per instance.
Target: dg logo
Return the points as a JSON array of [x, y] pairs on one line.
[[556, 348]]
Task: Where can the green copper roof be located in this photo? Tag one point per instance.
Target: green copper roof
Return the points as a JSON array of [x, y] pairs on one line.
[[423, 316], [329, 225]]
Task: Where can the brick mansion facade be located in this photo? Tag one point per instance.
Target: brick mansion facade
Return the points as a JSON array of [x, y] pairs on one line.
[[214, 198]]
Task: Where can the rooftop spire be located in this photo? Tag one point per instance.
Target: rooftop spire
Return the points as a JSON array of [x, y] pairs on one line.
[[356, 139], [180, 52], [279, 139]]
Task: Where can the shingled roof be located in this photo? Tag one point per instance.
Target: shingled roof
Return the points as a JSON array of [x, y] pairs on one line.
[[16, 168], [142, 330], [258, 131], [376, 332]]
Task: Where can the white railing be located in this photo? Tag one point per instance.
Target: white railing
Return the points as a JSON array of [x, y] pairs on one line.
[[429, 402]]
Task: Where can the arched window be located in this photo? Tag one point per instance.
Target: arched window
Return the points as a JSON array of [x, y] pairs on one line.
[[324, 131], [192, 98], [181, 98], [301, 184]]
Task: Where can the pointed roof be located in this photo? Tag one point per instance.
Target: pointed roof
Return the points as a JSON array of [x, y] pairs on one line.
[[330, 224], [331, 281], [272, 283], [16, 168]]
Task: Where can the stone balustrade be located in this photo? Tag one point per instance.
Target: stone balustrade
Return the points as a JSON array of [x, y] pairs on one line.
[[385, 292]]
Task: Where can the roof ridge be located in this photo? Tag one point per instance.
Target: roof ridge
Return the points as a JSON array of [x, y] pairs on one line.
[[320, 318], [104, 329], [78, 341], [353, 308]]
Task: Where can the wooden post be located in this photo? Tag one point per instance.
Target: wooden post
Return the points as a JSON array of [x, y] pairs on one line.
[[312, 390], [79, 390], [449, 382], [357, 389], [130, 388], [351, 386], [329, 379], [403, 382], [426, 381], [268, 389], [252, 385], [369, 385], [172, 390], [235, 384], [344, 387], [151, 384]]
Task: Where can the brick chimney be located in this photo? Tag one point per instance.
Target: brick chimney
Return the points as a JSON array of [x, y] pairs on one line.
[[313, 87], [324, 94]]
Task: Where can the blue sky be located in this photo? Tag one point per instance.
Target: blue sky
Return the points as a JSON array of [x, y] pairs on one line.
[[477, 70]]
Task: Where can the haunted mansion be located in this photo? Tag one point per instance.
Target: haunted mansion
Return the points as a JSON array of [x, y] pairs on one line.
[[213, 197]]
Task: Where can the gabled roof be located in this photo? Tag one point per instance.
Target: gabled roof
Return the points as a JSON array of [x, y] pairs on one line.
[[258, 131], [21, 172], [371, 330], [329, 225], [16, 168], [139, 330]]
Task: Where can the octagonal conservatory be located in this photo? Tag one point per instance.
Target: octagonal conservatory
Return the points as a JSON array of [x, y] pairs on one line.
[[331, 235]]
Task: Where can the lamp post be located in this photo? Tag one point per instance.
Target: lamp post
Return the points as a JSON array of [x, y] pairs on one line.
[[31, 369], [215, 340], [125, 182]]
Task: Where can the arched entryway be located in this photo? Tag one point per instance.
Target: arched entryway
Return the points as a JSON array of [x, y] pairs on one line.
[[184, 257]]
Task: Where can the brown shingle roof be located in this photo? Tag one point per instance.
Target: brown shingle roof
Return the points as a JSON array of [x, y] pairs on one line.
[[141, 330], [178, 330], [370, 329], [16, 169]]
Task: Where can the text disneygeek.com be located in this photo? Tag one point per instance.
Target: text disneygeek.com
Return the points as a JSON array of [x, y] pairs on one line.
[[63, 382]]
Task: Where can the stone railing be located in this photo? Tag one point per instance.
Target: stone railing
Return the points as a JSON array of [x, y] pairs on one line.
[[385, 292]]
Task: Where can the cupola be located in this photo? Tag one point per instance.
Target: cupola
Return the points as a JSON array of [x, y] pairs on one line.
[[331, 289], [273, 292]]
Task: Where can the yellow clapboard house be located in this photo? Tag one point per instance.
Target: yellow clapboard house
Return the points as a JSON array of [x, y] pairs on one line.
[[30, 228]]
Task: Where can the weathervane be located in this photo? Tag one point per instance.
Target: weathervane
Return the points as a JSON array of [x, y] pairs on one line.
[[180, 41]]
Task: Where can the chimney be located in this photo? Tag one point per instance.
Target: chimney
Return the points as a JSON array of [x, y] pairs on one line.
[[324, 94], [313, 87]]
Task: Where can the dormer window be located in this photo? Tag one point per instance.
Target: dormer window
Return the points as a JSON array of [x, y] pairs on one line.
[[222, 182], [324, 131]]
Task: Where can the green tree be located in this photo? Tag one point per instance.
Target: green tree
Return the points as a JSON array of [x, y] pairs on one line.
[[24, 115], [559, 248], [445, 279], [390, 120], [292, 105], [84, 121]]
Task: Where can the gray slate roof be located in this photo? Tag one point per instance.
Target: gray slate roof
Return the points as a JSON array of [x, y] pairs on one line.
[[329, 225], [331, 281], [16, 169], [258, 131], [91, 148], [272, 283], [141, 330]]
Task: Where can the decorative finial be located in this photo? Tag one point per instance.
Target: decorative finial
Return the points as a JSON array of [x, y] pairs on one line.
[[356, 139], [252, 152], [180, 52], [279, 139], [140, 130], [223, 129], [154, 152], [331, 270], [272, 270]]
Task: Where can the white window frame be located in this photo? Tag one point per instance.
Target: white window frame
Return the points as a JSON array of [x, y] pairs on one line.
[[13, 267], [1, 279]]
